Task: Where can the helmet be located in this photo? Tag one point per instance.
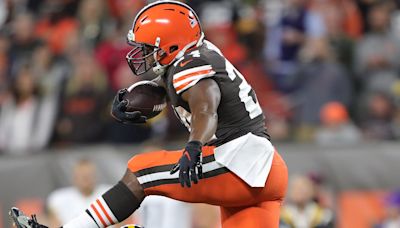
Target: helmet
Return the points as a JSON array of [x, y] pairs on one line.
[[161, 33]]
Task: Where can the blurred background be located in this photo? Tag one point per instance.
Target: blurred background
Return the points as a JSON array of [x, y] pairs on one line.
[[326, 72]]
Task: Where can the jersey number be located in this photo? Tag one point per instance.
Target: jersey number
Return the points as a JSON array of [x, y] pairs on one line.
[[251, 104]]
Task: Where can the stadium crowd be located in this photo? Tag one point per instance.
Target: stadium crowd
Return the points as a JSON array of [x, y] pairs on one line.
[[325, 71]]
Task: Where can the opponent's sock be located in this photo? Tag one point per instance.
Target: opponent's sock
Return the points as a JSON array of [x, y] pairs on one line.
[[114, 206]]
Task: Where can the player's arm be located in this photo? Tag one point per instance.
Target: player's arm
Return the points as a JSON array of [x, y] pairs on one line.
[[119, 113], [203, 99]]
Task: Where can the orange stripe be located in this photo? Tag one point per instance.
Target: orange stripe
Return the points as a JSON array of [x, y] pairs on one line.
[[98, 215], [104, 211], [182, 86], [191, 75]]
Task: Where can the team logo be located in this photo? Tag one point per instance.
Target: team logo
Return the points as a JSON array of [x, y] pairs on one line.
[[183, 63], [192, 19]]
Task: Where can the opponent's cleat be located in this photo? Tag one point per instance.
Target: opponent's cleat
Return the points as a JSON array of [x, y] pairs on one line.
[[22, 221]]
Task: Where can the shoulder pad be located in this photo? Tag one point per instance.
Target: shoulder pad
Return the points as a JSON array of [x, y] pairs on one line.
[[188, 71]]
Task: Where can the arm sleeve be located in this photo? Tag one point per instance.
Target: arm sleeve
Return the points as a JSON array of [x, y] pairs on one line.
[[189, 72]]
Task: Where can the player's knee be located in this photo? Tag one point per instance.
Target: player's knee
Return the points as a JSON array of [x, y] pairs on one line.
[[136, 163], [150, 159], [132, 183]]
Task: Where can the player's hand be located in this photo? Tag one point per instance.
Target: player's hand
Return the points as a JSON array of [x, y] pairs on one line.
[[118, 110], [190, 164]]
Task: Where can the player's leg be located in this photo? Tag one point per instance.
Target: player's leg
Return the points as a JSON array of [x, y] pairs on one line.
[[243, 206], [114, 206], [266, 213], [148, 174], [218, 187], [118, 203], [123, 199], [263, 215], [153, 173]]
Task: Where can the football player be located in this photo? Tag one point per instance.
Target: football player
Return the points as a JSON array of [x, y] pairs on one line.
[[228, 160]]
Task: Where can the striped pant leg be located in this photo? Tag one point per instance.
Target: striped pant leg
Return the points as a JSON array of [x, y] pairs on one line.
[[218, 187], [153, 173]]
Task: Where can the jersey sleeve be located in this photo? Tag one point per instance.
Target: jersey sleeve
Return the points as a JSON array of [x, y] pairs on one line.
[[189, 71]]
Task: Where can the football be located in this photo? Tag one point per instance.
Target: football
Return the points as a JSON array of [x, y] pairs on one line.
[[146, 97]]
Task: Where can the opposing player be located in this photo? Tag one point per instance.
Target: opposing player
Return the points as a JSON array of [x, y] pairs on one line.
[[228, 160]]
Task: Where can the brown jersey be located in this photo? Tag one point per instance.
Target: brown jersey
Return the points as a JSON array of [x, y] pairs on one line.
[[238, 112]]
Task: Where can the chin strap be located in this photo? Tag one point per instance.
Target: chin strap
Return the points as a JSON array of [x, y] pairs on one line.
[[158, 69], [200, 42]]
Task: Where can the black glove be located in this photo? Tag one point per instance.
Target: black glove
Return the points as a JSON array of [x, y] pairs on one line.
[[118, 110], [190, 164]]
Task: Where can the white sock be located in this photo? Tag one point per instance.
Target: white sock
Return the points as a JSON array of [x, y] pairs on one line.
[[98, 215], [82, 221]]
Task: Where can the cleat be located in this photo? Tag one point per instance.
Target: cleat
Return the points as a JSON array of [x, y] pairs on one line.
[[20, 220]]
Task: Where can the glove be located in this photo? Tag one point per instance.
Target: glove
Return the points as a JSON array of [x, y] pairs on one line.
[[190, 164], [118, 110]]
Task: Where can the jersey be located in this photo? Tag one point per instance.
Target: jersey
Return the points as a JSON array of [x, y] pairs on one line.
[[239, 112]]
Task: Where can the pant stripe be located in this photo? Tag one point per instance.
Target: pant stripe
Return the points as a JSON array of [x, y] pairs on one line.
[[160, 175], [166, 174], [209, 174], [168, 167], [155, 169]]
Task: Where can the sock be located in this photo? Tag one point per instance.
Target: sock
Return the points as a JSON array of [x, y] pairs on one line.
[[84, 221], [114, 206]]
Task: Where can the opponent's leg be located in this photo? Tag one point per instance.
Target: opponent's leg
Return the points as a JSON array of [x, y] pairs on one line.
[[264, 215]]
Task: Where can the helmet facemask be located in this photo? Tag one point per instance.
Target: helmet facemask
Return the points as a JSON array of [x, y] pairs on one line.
[[142, 57]]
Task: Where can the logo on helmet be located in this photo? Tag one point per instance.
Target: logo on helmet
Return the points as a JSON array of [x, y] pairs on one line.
[[192, 19]]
